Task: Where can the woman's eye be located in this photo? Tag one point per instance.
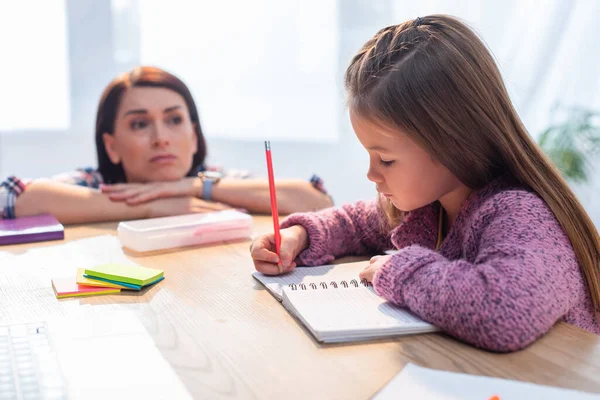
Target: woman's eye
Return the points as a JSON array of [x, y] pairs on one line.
[[175, 120], [138, 124]]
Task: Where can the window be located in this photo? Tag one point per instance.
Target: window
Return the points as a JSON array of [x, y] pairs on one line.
[[34, 73], [259, 69]]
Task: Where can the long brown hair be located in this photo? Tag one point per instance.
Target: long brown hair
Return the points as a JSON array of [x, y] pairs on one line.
[[434, 79], [109, 107]]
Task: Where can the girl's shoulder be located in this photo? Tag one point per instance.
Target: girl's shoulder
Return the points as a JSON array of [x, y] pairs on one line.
[[514, 204], [506, 195]]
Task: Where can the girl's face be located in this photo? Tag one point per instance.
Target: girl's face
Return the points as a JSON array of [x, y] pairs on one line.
[[403, 172], [153, 138]]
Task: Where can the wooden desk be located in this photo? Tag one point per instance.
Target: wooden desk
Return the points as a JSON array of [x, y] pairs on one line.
[[228, 338]]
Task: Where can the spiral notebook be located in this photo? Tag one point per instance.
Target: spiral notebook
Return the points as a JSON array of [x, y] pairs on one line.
[[336, 306]]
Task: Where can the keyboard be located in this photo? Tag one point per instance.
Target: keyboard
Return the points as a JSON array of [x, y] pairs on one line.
[[29, 368]]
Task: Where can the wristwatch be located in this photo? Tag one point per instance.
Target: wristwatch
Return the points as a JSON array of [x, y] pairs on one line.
[[209, 178]]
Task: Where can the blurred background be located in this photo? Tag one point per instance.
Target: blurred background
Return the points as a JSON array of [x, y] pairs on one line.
[[268, 69]]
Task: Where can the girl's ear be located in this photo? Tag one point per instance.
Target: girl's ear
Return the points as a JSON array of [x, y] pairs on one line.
[[111, 148]]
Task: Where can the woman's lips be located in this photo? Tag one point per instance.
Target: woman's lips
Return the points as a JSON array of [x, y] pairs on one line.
[[163, 159]]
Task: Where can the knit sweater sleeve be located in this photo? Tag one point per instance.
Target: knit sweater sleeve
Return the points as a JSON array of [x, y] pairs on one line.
[[511, 292], [353, 229]]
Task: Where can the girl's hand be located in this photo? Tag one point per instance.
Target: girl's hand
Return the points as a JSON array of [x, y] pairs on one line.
[[293, 240], [138, 193], [374, 264]]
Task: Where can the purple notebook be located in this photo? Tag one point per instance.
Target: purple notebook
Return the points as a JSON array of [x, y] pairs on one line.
[[38, 228]]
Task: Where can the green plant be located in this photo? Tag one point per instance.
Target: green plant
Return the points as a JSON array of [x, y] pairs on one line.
[[571, 144]]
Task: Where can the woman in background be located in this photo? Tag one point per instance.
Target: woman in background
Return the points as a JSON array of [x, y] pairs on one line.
[[151, 163]]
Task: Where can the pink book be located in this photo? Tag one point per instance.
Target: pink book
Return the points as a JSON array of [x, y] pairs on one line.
[[68, 287], [36, 228]]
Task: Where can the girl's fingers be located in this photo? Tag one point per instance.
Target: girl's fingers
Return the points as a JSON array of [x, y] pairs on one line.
[[290, 268], [374, 259], [264, 241], [364, 274], [267, 268], [265, 255]]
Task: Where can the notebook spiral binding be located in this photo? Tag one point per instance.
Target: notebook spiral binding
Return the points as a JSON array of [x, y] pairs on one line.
[[332, 284]]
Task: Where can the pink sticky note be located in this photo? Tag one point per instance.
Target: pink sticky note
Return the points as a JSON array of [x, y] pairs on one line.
[[68, 287]]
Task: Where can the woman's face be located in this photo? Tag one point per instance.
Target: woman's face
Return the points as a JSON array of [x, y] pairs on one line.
[[154, 138]]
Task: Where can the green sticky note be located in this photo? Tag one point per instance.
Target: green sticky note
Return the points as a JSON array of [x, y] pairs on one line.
[[125, 273]]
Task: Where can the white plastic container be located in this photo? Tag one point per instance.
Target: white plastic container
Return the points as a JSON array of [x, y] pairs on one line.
[[184, 230]]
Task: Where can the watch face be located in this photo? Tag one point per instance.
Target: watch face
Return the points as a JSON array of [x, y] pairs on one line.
[[212, 175]]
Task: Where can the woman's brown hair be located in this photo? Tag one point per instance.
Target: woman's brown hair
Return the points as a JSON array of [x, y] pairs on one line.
[[435, 80], [109, 107]]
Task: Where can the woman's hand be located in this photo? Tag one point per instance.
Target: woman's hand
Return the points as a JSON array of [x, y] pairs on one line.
[[293, 240], [374, 264], [138, 193], [180, 205]]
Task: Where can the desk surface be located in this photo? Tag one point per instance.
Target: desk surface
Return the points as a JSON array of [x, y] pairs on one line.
[[227, 337]]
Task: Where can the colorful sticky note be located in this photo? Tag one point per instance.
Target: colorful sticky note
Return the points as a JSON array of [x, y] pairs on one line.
[[82, 280], [126, 285], [132, 274], [68, 287]]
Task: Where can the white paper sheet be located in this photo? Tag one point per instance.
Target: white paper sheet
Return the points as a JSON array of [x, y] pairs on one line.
[[418, 383]]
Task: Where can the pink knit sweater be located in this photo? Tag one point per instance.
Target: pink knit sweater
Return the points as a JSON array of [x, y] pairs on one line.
[[504, 274]]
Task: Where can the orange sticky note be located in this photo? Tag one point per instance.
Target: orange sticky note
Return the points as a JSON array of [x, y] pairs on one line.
[[68, 287]]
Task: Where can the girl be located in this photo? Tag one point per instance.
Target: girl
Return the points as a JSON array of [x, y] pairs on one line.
[[493, 247], [150, 148]]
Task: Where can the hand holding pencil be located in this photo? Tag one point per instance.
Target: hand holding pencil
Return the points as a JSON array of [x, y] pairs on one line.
[[273, 193], [274, 253]]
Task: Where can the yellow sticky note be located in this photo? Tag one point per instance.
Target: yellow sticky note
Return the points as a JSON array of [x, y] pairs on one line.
[[82, 280]]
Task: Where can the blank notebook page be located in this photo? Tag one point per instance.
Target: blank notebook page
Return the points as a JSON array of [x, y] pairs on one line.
[[350, 313]]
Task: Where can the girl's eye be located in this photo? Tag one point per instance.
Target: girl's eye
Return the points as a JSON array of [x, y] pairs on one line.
[[386, 163]]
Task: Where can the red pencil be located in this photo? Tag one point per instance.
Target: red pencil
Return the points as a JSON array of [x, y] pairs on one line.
[[274, 211]]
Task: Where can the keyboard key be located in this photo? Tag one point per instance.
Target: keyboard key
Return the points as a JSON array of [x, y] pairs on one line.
[[18, 331], [29, 368]]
